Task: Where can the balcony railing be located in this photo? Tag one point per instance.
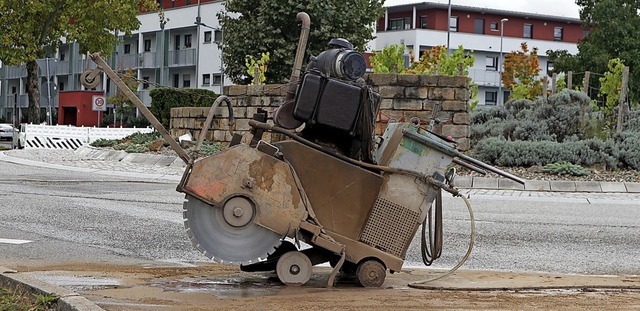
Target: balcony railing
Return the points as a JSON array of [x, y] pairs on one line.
[[484, 77], [22, 101], [185, 57], [63, 67], [148, 60], [15, 72], [128, 61]]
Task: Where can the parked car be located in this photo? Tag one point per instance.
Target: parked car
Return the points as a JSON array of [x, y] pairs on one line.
[[7, 131]]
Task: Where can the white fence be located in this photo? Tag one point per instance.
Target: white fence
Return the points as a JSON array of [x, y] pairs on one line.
[[69, 137]]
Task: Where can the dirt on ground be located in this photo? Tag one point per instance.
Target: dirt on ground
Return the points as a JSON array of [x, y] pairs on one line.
[[219, 287]]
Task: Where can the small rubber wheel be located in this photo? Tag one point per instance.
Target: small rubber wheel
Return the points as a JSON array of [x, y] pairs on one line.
[[371, 273], [294, 268]]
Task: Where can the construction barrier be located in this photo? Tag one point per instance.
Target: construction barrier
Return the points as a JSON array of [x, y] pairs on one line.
[[69, 137]]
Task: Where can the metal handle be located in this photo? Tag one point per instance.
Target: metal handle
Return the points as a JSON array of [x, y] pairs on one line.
[[207, 122]]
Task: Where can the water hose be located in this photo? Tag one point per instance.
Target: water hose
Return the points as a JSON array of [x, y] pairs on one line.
[[422, 284]]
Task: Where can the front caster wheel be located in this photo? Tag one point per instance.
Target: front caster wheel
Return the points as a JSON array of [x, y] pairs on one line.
[[294, 268], [371, 273]]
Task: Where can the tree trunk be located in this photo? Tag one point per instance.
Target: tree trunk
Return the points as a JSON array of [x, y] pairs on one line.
[[33, 114]]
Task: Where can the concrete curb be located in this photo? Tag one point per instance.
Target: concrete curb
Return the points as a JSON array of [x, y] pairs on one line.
[[68, 300], [491, 183]]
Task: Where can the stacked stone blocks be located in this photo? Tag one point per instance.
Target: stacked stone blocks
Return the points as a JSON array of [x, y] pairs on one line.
[[403, 97]]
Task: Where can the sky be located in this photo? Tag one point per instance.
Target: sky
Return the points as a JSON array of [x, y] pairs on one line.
[[567, 8]]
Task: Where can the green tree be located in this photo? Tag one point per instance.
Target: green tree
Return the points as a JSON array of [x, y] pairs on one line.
[[611, 85], [390, 59], [30, 29], [253, 27], [123, 105], [614, 32], [520, 73]]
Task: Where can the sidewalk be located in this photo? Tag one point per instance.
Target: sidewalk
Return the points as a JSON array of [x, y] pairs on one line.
[[142, 165]]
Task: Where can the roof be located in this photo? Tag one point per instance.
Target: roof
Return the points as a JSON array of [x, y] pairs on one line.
[[485, 10]]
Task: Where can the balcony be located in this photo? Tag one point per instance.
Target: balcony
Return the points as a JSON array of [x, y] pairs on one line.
[[148, 60], [180, 58], [63, 68], [128, 61], [22, 101], [484, 77], [14, 72]]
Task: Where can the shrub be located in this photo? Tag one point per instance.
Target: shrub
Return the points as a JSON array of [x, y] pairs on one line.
[[565, 168], [163, 99]]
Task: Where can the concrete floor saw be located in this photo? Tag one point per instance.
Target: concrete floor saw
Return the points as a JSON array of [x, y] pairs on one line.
[[355, 199]]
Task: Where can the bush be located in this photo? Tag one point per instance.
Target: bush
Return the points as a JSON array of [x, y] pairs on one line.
[[623, 150], [565, 168], [163, 99]]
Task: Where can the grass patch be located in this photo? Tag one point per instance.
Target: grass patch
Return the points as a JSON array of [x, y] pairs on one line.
[[20, 300]]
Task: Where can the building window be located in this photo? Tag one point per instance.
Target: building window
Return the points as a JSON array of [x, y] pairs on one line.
[[207, 37], [400, 23], [550, 68], [176, 43], [490, 97], [206, 79], [147, 45], [176, 80], [217, 36], [145, 83], [186, 80], [60, 86], [492, 63], [527, 31], [494, 26], [453, 23], [557, 34], [217, 79], [62, 57], [187, 41], [188, 2], [127, 49], [423, 22]]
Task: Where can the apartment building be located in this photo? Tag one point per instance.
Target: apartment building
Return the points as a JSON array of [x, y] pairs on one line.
[[182, 53], [485, 32]]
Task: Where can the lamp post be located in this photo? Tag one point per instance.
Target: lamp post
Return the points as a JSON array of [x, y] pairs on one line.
[[448, 26], [500, 95], [216, 29]]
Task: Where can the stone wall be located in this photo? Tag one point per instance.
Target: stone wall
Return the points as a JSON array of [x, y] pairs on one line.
[[403, 97]]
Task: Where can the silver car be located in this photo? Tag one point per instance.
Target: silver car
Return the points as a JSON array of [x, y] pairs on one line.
[[7, 131]]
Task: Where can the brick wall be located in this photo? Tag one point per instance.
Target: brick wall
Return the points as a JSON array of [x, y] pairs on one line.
[[403, 97]]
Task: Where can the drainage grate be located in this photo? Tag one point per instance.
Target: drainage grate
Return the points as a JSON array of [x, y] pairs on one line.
[[389, 227]]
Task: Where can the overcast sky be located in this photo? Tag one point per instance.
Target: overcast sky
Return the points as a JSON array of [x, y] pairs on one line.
[[567, 8]]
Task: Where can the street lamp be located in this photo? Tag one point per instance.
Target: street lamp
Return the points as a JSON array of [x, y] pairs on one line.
[[500, 95], [221, 41], [448, 26]]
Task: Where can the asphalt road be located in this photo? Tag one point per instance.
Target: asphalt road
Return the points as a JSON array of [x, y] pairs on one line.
[[69, 216]]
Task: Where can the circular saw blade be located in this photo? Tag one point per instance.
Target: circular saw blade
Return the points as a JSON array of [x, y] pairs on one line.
[[224, 243]]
